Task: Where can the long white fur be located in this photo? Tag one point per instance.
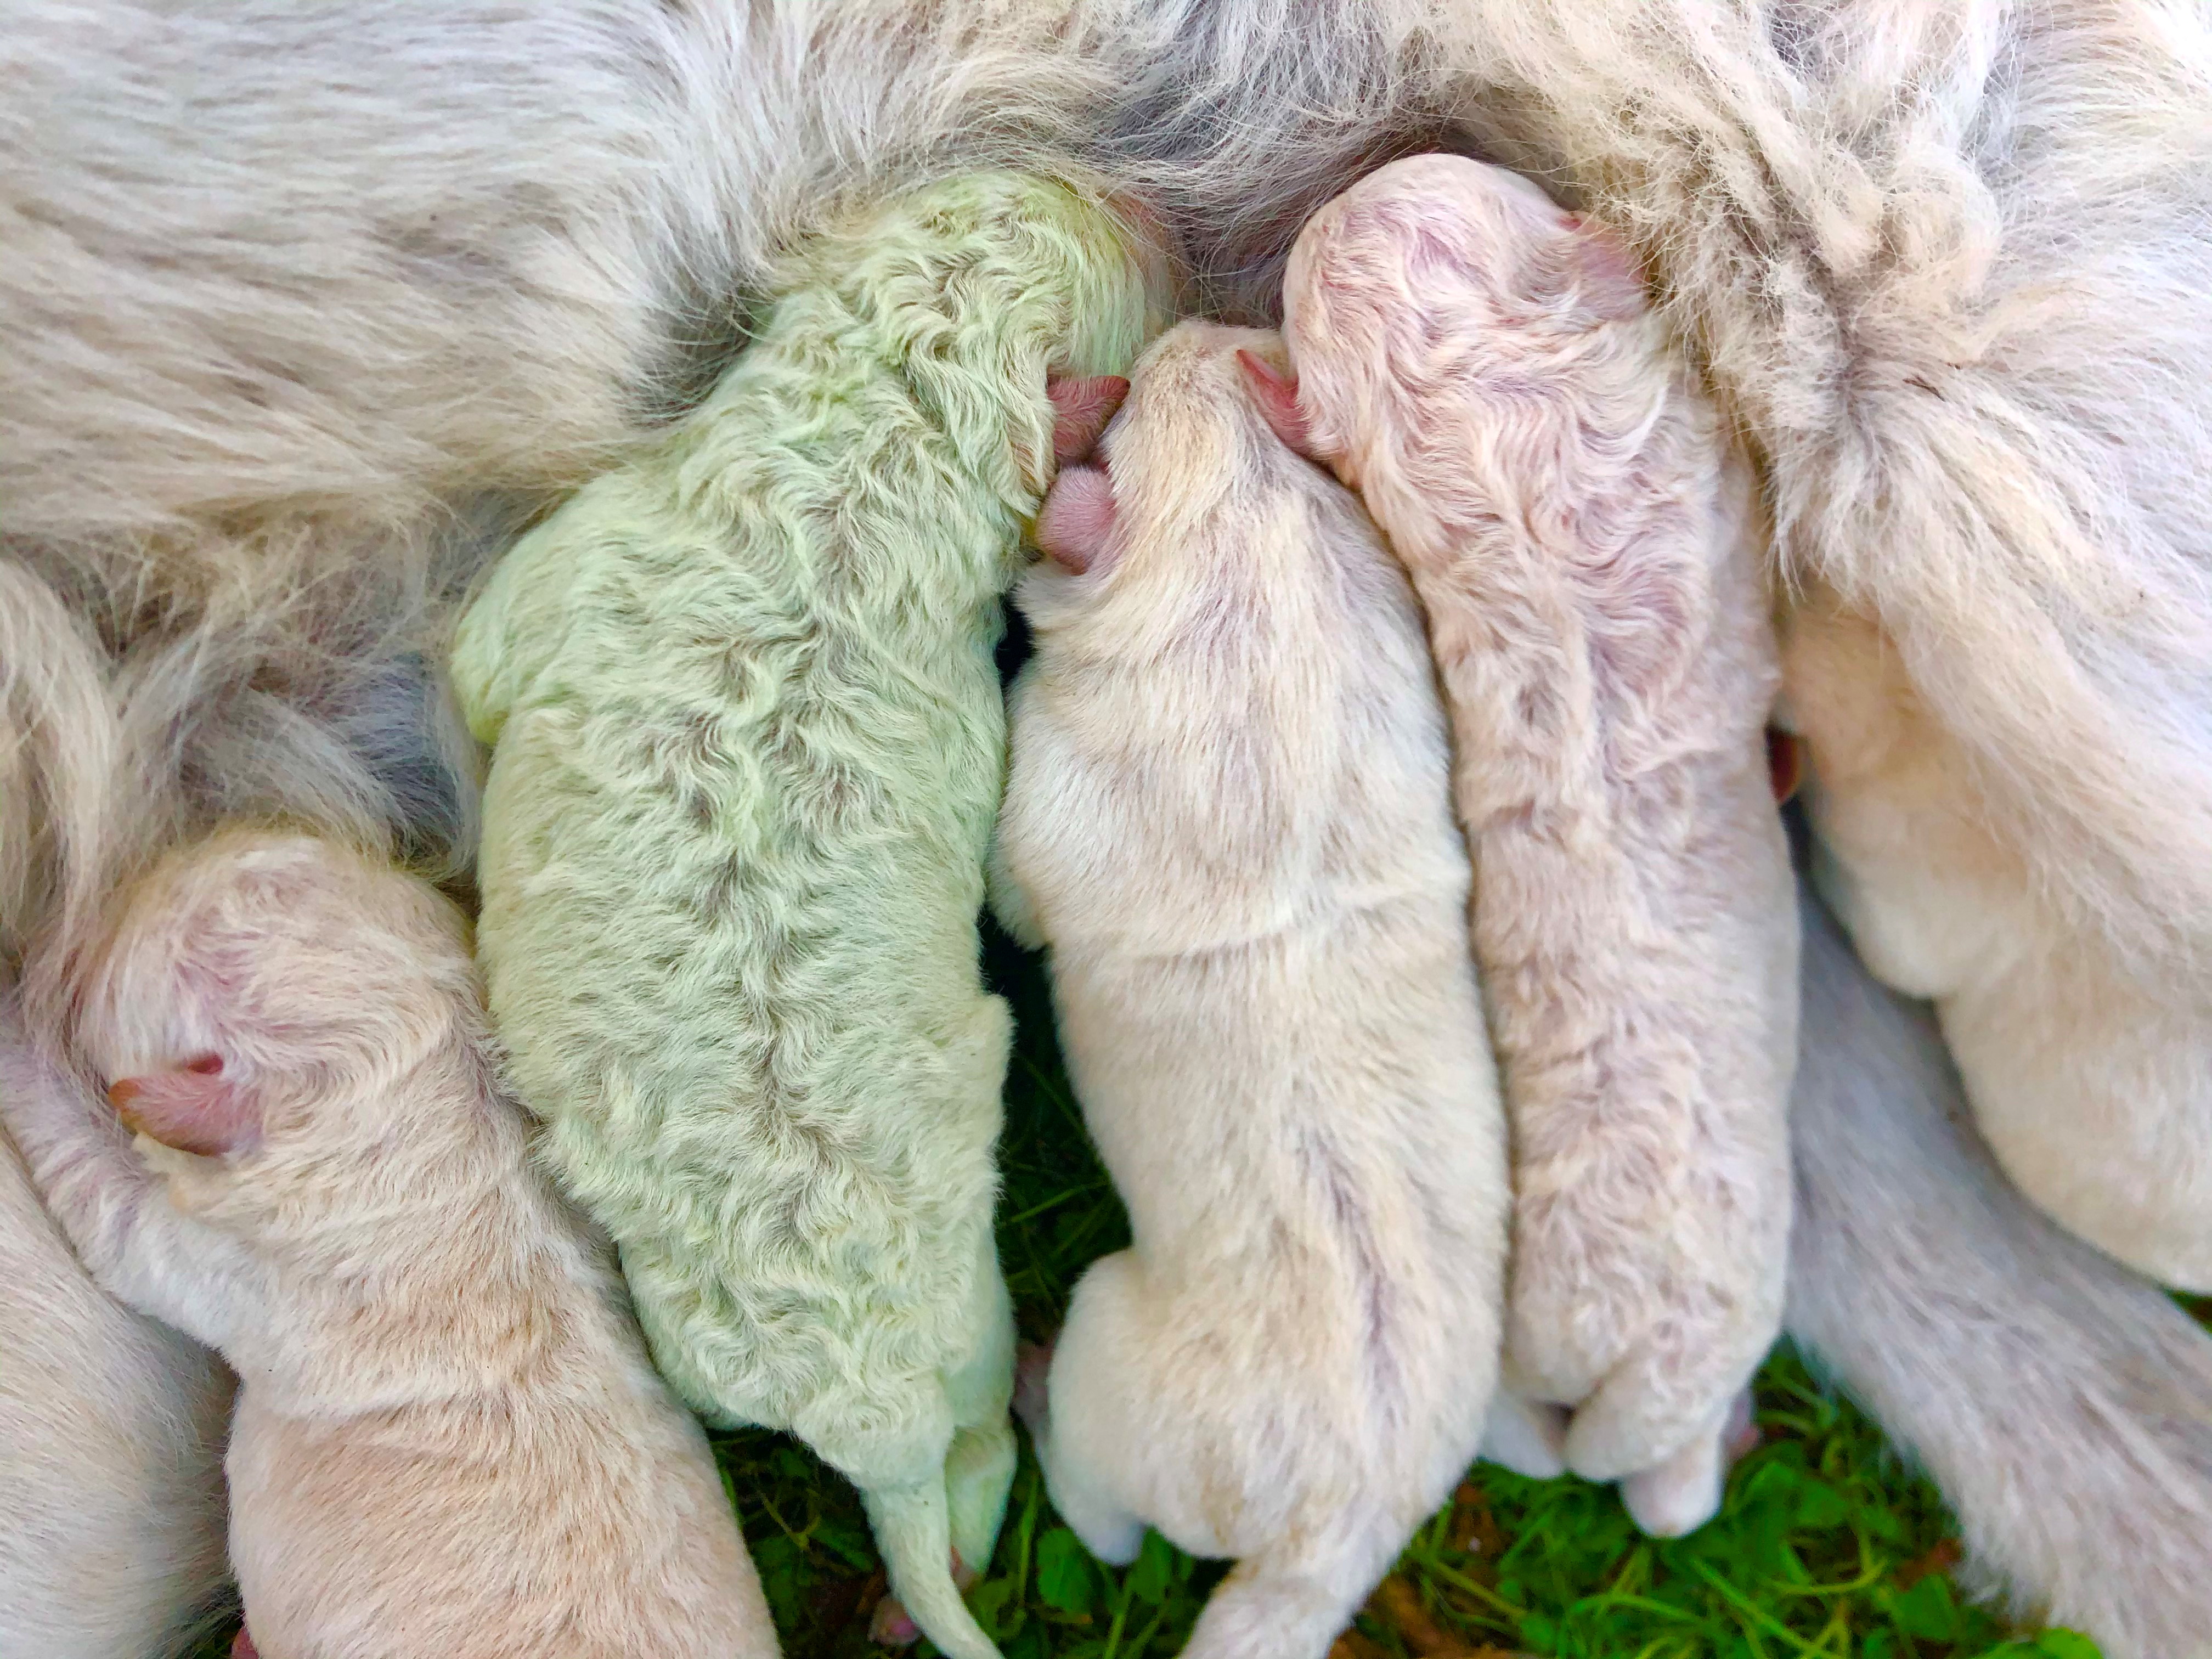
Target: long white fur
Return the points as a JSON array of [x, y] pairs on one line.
[[448, 1439], [110, 1441], [2063, 1405], [1227, 816], [1487, 373]]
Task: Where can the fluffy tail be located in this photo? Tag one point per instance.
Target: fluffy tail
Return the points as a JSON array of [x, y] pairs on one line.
[[1272, 1609], [2063, 1405], [914, 1531]]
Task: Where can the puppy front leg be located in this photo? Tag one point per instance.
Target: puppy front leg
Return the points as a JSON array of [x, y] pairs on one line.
[[113, 1206]]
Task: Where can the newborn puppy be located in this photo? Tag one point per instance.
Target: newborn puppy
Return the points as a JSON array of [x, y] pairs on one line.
[[1486, 374], [1229, 817], [2064, 1405], [749, 742], [111, 1437], [448, 1439], [2089, 1069]]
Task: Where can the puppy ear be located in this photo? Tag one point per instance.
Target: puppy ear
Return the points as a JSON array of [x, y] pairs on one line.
[[1078, 519], [1081, 406], [196, 1108], [1277, 395], [1606, 279], [1785, 763]]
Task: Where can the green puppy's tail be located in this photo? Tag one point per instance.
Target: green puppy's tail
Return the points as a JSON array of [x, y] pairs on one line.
[[912, 1525]]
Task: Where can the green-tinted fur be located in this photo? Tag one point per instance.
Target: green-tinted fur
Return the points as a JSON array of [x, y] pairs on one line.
[[748, 745]]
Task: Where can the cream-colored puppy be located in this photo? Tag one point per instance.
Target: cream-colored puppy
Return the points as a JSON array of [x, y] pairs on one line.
[[110, 1438], [2089, 1069], [448, 1440], [1229, 817], [1488, 375]]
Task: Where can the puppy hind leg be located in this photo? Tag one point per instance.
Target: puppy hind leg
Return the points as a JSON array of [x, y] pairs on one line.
[[1092, 1455], [979, 1469]]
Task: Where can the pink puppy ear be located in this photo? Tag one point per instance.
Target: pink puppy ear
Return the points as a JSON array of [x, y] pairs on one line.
[[195, 1108], [1081, 406], [1277, 398], [1078, 519], [1607, 279]]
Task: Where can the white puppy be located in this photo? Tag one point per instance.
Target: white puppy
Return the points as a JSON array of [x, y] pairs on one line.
[[1229, 817], [2089, 1065], [448, 1440], [111, 1439], [1487, 372]]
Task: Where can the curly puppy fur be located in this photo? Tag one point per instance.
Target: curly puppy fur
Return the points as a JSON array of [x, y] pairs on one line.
[[1229, 817], [110, 1441], [2087, 1068], [2064, 1405], [1486, 374], [748, 745], [448, 1438]]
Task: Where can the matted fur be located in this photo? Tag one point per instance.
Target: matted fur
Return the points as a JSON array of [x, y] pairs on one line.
[[1227, 816], [110, 1441], [2064, 1405], [2089, 1069], [748, 741], [1485, 373], [448, 1439]]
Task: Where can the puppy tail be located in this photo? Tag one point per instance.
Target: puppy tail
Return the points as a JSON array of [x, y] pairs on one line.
[[2062, 1404], [914, 1531], [58, 742], [1270, 1609]]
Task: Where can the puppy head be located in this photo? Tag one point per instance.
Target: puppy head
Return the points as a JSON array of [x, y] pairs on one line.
[[251, 988], [1432, 270], [1122, 531], [988, 285]]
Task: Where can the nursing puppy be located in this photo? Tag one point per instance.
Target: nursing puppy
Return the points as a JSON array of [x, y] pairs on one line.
[[448, 1439], [749, 741], [2064, 1405], [1485, 373], [2089, 1065], [1229, 818], [110, 1436]]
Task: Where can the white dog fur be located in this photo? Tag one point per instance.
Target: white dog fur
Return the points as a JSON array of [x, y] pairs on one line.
[[1487, 373], [2063, 1405], [2089, 1067], [448, 1439], [1946, 264], [111, 1443], [1227, 816]]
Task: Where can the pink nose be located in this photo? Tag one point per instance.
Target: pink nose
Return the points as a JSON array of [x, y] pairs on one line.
[[243, 1647]]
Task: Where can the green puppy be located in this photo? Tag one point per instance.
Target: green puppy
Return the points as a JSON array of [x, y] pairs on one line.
[[748, 744]]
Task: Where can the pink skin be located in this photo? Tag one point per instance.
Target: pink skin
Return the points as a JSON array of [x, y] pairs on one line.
[[1277, 394], [1081, 404], [195, 1107], [242, 1647]]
